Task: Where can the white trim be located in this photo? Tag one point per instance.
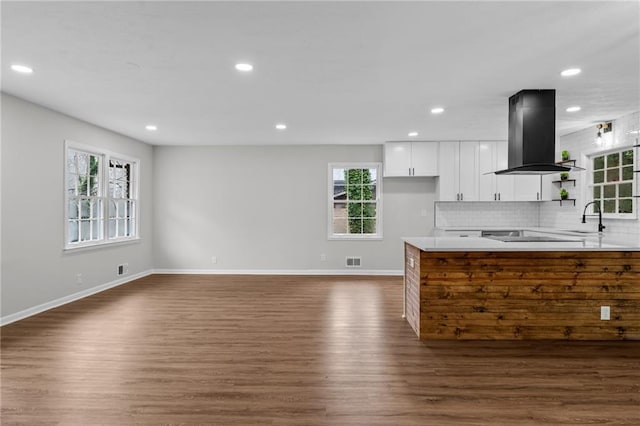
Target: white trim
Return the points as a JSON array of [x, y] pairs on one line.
[[379, 208], [105, 156], [86, 247], [588, 186], [319, 272], [25, 313]]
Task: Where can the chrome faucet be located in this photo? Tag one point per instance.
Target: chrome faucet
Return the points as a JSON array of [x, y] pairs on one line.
[[584, 215]]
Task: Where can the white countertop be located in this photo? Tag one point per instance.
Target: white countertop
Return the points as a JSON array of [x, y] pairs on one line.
[[580, 242]]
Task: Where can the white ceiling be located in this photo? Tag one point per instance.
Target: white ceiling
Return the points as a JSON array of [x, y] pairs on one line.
[[335, 72]]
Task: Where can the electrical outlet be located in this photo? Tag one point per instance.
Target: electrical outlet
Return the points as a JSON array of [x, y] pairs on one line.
[[412, 263], [605, 313], [214, 259], [78, 279], [423, 213], [323, 257]]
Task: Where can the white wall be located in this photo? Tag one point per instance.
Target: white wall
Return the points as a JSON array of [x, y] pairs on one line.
[[265, 208], [580, 144], [35, 270]]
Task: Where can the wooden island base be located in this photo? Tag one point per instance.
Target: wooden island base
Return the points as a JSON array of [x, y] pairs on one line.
[[522, 294]]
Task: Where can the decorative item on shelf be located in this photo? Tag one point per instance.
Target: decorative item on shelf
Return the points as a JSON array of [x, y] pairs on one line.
[[565, 155], [564, 194], [564, 176]]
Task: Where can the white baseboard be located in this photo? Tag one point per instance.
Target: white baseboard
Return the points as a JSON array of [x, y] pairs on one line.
[[381, 272], [8, 319]]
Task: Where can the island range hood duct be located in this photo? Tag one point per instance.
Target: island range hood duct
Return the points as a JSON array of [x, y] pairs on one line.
[[532, 134]]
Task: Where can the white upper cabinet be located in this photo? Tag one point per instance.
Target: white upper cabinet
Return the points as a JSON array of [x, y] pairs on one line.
[[410, 159], [492, 187], [493, 156], [528, 188], [459, 166]]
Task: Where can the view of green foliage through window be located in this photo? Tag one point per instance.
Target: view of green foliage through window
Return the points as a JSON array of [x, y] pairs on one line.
[[613, 182], [355, 201]]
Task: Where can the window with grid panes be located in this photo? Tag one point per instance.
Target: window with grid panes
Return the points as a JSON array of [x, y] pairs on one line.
[[101, 199], [355, 202], [612, 183]]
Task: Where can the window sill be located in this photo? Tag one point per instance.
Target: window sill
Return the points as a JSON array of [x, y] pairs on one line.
[[626, 217], [354, 238], [95, 246]]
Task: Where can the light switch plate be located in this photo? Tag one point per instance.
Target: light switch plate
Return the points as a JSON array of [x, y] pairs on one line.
[[605, 313]]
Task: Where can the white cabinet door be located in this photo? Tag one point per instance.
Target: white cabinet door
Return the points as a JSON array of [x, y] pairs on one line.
[[505, 184], [492, 156], [468, 169], [549, 190], [424, 158], [505, 187], [448, 181], [486, 167], [527, 188], [397, 159]]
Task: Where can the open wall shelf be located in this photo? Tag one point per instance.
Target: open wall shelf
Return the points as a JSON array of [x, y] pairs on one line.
[[564, 181], [566, 200]]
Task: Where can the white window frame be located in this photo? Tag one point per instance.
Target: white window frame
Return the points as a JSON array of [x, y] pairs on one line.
[[105, 157], [634, 181], [330, 200]]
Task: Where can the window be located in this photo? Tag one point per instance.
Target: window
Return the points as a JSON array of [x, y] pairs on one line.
[[612, 183], [355, 203], [101, 198]]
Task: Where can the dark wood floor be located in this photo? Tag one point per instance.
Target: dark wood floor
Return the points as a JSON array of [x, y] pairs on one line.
[[249, 350]]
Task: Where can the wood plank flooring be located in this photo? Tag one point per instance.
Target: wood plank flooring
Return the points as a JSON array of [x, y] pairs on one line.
[[287, 350]]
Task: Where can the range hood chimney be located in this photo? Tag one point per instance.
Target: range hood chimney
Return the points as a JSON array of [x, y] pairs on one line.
[[532, 134]]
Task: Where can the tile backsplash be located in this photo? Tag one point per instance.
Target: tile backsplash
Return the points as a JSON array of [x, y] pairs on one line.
[[486, 214]]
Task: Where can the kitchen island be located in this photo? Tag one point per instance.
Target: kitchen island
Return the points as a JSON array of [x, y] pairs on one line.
[[482, 288]]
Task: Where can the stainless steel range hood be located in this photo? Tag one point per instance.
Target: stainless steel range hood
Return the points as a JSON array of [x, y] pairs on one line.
[[532, 134]]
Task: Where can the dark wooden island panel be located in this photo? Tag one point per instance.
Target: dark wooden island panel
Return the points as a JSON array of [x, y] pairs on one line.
[[525, 294]]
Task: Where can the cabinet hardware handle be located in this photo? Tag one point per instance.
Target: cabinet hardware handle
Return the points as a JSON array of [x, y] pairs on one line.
[[498, 196], [462, 196], [409, 171], [537, 195], [495, 197]]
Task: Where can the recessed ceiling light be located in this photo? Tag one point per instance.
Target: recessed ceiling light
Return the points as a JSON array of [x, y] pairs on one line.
[[573, 109], [571, 71], [151, 127], [281, 126], [23, 69], [437, 110], [412, 134], [244, 67]]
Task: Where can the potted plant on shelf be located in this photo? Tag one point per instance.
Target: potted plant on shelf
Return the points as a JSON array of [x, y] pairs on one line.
[[564, 194], [565, 155], [564, 175]]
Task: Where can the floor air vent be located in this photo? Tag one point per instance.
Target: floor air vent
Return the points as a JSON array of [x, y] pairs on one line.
[[353, 262]]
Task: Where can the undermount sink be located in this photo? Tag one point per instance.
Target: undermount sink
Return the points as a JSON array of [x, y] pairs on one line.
[[579, 231]]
